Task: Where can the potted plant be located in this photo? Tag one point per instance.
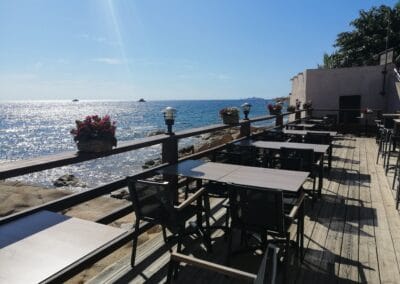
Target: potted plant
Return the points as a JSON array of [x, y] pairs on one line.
[[275, 109], [298, 104], [95, 134], [230, 115], [307, 105], [291, 108]]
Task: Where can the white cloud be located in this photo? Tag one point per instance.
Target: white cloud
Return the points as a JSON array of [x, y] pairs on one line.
[[108, 60]]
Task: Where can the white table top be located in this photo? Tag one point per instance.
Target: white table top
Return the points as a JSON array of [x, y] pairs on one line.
[[43, 253]]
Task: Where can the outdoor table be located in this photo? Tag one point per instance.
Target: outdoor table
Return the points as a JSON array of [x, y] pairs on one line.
[[388, 119], [36, 247], [261, 178], [304, 133], [285, 180], [275, 145]]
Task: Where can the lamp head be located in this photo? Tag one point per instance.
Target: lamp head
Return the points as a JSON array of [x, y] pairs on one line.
[[246, 109]]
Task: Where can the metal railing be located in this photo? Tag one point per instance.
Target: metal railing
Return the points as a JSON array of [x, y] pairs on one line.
[[169, 155]]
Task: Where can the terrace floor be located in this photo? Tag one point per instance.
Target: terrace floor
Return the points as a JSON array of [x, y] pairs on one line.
[[352, 234]]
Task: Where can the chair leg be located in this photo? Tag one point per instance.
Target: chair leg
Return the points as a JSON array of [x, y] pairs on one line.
[[286, 256], [171, 268], [229, 250], [134, 243], [207, 234]]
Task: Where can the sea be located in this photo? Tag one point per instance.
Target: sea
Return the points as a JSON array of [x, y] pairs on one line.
[[30, 129]]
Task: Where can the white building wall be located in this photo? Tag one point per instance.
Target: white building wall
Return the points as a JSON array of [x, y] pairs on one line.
[[325, 86]]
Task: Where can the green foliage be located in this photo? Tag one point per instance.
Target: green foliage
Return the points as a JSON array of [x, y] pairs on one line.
[[360, 46]]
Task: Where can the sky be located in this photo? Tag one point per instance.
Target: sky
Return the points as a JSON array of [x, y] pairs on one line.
[[164, 49]]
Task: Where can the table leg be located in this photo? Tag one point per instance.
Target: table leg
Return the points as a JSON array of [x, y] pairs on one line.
[[321, 175]]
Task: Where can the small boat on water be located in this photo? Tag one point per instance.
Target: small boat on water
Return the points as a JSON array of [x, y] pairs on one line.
[[75, 100], [141, 100]]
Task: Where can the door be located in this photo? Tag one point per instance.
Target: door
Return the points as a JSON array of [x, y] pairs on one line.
[[349, 108]]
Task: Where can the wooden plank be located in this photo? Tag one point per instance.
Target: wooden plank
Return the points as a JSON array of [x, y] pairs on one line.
[[388, 268], [368, 259], [348, 269]]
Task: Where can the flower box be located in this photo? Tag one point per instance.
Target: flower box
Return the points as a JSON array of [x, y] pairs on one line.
[[95, 134], [94, 146], [229, 115], [230, 119]]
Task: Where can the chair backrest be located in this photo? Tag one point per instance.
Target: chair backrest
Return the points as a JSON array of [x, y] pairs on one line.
[[238, 155], [256, 209], [267, 271], [152, 201], [317, 138], [297, 159], [271, 136]]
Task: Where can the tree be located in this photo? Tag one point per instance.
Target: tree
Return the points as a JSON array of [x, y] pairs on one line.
[[360, 46]]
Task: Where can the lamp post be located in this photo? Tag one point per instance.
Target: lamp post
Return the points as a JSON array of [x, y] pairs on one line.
[[246, 109], [169, 117]]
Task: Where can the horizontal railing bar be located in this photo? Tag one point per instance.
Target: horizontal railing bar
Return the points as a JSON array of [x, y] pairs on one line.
[[17, 168]]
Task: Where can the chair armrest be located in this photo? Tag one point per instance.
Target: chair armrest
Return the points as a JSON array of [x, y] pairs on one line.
[[190, 199], [296, 206], [228, 271]]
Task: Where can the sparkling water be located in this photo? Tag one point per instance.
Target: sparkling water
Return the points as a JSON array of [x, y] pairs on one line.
[[38, 128]]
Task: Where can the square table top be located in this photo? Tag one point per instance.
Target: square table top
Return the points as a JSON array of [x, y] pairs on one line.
[[305, 125], [304, 132], [315, 120], [391, 114], [285, 180], [36, 247], [276, 145]]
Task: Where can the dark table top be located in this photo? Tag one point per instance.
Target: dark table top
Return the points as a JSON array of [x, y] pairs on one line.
[[38, 246], [305, 125], [304, 132], [318, 148], [391, 114], [315, 120], [285, 180]]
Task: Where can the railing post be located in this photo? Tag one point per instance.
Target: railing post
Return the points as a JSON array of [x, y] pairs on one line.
[[170, 150], [297, 116], [245, 129], [169, 155], [279, 120]]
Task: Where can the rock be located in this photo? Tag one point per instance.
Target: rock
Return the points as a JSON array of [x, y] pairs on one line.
[[186, 151], [156, 132], [151, 163], [68, 180], [121, 194]]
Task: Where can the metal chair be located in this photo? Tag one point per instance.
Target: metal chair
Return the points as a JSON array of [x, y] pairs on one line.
[[153, 202], [234, 154], [299, 160], [266, 273], [321, 138], [262, 212]]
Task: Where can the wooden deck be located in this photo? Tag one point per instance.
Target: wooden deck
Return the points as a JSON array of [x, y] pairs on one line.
[[351, 235]]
